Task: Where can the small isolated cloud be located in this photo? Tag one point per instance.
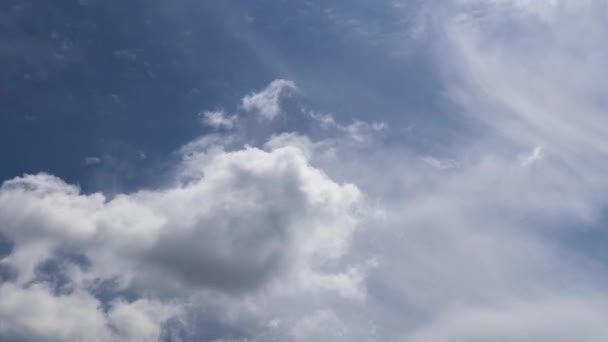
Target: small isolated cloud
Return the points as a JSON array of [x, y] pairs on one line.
[[357, 130], [218, 119], [35, 313], [92, 160], [361, 130], [440, 164], [325, 120], [267, 101]]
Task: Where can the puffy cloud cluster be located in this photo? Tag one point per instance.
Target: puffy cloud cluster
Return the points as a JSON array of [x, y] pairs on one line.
[[358, 130], [34, 313], [254, 219]]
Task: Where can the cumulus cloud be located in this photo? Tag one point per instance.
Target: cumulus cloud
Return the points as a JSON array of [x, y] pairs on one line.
[[252, 211], [267, 101], [254, 218], [34, 313]]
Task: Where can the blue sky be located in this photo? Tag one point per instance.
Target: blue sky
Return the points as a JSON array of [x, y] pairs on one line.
[[303, 171], [96, 72]]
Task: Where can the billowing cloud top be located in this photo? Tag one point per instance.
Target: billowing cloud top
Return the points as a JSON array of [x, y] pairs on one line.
[[255, 217]]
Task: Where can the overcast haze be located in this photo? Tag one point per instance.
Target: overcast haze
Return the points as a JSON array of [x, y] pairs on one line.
[[393, 170]]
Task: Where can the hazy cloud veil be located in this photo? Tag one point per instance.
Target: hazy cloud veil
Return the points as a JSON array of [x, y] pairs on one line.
[[290, 222]]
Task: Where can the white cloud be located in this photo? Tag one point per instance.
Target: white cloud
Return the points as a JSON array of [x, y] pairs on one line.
[[325, 120], [561, 318], [34, 314], [255, 220], [478, 253], [300, 142], [140, 320], [537, 86], [267, 101], [218, 119], [535, 156], [358, 130], [251, 212]]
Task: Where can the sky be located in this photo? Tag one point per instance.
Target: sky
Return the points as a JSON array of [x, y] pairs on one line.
[[271, 170]]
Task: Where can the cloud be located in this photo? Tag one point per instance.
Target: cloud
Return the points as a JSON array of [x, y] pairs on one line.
[[552, 319], [358, 130], [255, 219], [34, 314], [322, 325], [536, 84], [251, 212], [218, 119], [325, 120], [267, 101], [89, 161], [479, 235]]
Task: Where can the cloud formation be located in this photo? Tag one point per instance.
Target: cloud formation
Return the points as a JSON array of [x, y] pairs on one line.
[[267, 101], [253, 218], [218, 119], [335, 236]]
